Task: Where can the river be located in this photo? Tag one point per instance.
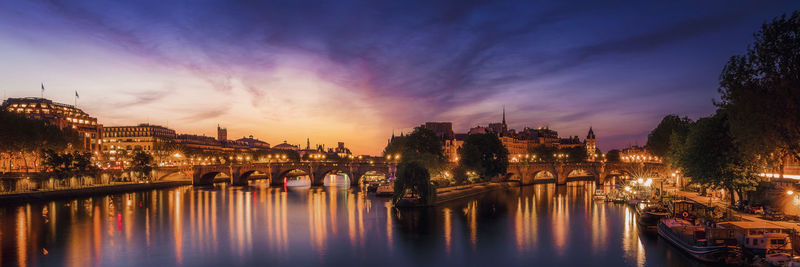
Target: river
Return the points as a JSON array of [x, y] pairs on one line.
[[540, 225]]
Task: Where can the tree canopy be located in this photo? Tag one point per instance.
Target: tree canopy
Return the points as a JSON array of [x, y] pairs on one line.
[[711, 158], [414, 177], [422, 145], [544, 153], [761, 91], [142, 164], [485, 154], [25, 138], [658, 141], [613, 155]]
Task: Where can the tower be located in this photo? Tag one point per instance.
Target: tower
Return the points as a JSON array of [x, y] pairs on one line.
[[591, 145], [222, 134], [504, 115]]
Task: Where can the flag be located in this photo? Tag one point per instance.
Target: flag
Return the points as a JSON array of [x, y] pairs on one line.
[[76, 94], [42, 87]]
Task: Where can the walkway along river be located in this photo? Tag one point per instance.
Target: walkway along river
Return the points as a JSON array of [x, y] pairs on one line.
[[544, 225]]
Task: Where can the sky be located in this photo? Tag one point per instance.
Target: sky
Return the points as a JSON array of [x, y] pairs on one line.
[[358, 71]]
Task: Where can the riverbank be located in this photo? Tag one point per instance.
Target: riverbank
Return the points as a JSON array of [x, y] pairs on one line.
[[86, 191], [714, 202]]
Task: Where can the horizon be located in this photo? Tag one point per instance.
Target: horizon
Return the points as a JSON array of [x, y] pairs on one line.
[[319, 72]]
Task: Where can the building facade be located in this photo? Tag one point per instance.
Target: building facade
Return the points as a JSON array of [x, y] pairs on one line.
[[517, 143], [61, 115], [145, 137]]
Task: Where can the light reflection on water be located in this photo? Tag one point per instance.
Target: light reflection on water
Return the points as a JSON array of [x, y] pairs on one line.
[[259, 225]]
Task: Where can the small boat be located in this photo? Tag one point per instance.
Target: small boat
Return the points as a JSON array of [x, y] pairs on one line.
[[599, 194], [708, 245], [385, 190], [297, 182], [650, 216]]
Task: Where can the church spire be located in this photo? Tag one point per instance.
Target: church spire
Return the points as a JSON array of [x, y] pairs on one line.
[[504, 115]]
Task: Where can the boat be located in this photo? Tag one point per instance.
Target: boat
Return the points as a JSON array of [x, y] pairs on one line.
[[385, 190], [758, 238], [649, 217], [297, 182], [372, 186], [599, 194], [782, 258], [704, 244]]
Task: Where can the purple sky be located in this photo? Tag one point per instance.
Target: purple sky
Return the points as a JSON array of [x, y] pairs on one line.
[[354, 71]]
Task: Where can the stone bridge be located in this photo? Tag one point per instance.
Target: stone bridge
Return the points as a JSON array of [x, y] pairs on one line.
[[276, 172], [561, 173]]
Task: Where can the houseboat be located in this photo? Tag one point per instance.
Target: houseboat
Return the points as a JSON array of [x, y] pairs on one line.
[[704, 244]]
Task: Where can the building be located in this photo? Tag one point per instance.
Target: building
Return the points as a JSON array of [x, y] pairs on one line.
[[341, 150], [637, 154], [442, 129], [61, 115], [145, 137], [222, 134], [591, 145], [286, 146], [517, 143], [254, 143], [199, 142]]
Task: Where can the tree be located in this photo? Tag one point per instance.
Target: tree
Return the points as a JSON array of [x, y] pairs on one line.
[[575, 154], [25, 139], [459, 175], [141, 165], [485, 154], [658, 141], [761, 92], [544, 153], [414, 177], [83, 166], [60, 166], [712, 159], [422, 145], [613, 155]]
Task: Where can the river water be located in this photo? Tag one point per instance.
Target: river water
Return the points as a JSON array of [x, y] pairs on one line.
[[541, 225]]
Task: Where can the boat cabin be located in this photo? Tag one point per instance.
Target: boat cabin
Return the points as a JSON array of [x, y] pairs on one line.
[[682, 209], [696, 235], [759, 237]]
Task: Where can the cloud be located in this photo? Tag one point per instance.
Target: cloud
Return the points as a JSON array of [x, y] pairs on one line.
[[397, 64]]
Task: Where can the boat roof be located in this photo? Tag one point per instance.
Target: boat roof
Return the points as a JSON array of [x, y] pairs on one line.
[[751, 225], [676, 222]]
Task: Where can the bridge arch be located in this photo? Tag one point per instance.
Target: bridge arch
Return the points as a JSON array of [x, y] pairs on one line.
[[289, 173], [208, 177], [321, 176], [543, 176]]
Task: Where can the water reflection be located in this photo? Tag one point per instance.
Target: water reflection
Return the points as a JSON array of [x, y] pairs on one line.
[[258, 225]]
